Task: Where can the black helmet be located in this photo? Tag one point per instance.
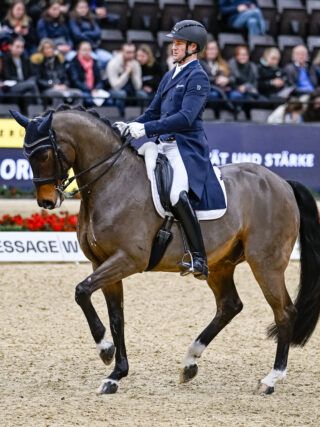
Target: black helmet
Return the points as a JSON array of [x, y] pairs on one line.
[[191, 31]]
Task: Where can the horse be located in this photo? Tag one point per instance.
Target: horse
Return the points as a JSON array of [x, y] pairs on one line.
[[117, 224]]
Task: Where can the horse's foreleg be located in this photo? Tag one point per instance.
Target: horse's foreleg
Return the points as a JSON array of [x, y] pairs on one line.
[[228, 305], [108, 275], [114, 298]]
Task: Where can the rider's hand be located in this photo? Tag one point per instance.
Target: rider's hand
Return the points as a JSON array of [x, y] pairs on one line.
[[137, 130], [122, 127]]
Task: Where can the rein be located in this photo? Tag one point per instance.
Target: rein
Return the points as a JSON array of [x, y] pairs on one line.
[[67, 181]]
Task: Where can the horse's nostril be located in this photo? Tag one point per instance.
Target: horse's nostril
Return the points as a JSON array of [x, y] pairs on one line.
[[47, 204]]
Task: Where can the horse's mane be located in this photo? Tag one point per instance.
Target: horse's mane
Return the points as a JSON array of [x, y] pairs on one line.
[[92, 111]]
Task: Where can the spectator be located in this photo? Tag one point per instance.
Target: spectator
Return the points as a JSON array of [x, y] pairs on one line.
[[291, 112], [217, 70], [312, 112], [17, 74], [85, 74], [243, 76], [243, 14], [272, 81], [150, 68], [83, 27], [53, 26], [51, 74], [124, 76], [299, 73], [316, 67], [19, 24]]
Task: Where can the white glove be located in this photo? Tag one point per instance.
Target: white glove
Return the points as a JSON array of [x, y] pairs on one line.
[[122, 127], [150, 152], [137, 130]]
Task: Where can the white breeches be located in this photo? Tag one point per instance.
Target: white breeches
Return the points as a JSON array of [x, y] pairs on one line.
[[180, 177]]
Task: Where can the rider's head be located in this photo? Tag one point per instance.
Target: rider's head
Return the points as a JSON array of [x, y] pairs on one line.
[[189, 38]]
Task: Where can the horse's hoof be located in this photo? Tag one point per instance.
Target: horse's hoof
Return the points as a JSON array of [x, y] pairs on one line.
[[108, 387], [107, 354], [264, 389], [188, 372]]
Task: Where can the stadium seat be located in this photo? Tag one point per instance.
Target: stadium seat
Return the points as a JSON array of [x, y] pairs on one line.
[[286, 44], [4, 109], [206, 12], [313, 44], [228, 42], [260, 115], [142, 36], [313, 9], [35, 109], [144, 15], [109, 112], [270, 15], [111, 40], [208, 115], [171, 12], [293, 17], [121, 8], [258, 44]]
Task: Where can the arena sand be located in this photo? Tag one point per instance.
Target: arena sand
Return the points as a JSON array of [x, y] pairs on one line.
[[50, 370]]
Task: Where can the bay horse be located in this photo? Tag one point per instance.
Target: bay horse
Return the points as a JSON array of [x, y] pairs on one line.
[[117, 224]]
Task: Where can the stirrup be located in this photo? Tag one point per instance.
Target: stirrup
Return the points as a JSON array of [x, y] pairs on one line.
[[186, 267]]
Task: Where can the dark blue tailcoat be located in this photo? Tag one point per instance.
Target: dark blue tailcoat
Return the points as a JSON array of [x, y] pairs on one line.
[[177, 110]]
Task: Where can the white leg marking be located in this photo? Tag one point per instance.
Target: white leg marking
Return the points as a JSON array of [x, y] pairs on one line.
[[104, 344], [194, 351], [106, 381], [274, 376]]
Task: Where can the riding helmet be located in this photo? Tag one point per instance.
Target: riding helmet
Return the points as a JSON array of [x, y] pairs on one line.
[[191, 31]]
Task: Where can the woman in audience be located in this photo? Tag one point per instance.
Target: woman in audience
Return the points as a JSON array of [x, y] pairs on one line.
[[19, 24], [291, 112], [53, 26], [83, 27], [85, 74], [52, 75], [150, 69], [272, 81]]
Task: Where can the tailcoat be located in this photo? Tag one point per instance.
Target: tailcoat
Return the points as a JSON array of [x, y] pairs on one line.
[[176, 111]]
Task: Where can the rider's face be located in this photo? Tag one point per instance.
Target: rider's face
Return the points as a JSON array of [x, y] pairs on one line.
[[178, 49]]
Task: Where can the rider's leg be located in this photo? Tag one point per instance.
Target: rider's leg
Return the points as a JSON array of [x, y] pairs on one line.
[[183, 211]]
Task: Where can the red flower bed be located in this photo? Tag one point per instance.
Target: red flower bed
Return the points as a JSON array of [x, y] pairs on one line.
[[39, 222]]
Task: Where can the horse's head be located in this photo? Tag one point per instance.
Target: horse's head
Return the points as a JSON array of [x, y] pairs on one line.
[[49, 162]]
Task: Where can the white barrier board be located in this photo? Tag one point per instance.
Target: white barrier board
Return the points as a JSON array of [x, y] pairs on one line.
[[31, 246], [40, 246]]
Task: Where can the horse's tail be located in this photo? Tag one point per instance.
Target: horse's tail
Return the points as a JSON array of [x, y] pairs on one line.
[[308, 299]]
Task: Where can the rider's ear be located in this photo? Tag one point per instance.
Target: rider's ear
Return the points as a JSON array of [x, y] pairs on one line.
[[20, 118], [45, 125]]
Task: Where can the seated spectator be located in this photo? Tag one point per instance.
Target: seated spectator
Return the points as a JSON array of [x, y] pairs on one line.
[[243, 14], [150, 69], [19, 24], [52, 75], [85, 74], [53, 26], [272, 81], [83, 27], [124, 76], [291, 112], [243, 76], [299, 73], [312, 111], [316, 67], [17, 75], [217, 70], [111, 20]]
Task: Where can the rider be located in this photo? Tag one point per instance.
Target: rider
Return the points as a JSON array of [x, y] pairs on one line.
[[175, 117]]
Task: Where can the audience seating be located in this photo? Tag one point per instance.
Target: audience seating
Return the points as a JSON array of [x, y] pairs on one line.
[[121, 8], [286, 44], [313, 9], [141, 36], [270, 15], [258, 44], [313, 45], [34, 110], [228, 42], [4, 109], [206, 12], [293, 17], [111, 40], [144, 15], [258, 115], [172, 11]]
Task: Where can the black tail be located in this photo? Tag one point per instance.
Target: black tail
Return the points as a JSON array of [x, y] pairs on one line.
[[308, 299]]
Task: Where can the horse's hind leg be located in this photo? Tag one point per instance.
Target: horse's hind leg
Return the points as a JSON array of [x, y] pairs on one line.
[[271, 281], [114, 298], [228, 305]]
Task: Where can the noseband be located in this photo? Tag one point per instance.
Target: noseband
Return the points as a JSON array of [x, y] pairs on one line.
[[50, 141]]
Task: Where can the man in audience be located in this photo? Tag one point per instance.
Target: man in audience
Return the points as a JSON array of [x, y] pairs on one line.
[[124, 76], [243, 14], [299, 73]]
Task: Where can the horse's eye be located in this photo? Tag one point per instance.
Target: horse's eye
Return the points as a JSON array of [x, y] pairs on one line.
[[42, 156]]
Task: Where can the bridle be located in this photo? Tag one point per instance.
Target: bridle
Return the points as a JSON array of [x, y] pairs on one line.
[[50, 142]]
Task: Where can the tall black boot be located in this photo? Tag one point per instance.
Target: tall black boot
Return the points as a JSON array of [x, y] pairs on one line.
[[184, 212]]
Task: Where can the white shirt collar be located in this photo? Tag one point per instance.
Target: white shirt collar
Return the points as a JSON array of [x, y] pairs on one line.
[[181, 67]]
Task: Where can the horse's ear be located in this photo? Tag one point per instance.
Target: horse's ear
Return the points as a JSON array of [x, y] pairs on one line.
[[45, 125], [20, 118]]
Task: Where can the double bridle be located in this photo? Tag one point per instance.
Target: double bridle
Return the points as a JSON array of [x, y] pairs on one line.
[[50, 141]]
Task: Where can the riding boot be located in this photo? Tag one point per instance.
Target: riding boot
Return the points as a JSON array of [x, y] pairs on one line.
[[184, 212]]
